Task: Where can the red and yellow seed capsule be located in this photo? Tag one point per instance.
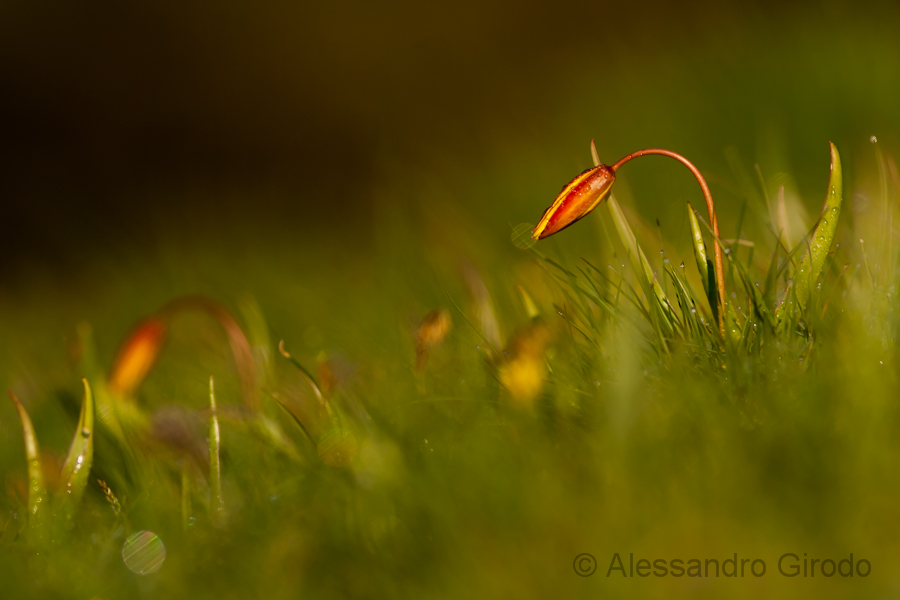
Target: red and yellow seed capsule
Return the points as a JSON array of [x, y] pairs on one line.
[[137, 356], [578, 198]]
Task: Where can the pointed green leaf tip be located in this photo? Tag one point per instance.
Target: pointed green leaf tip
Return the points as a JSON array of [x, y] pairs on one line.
[[704, 265], [699, 248], [820, 245], [37, 491], [77, 467]]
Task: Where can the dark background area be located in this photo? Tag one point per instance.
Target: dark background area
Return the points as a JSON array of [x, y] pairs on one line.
[[124, 126]]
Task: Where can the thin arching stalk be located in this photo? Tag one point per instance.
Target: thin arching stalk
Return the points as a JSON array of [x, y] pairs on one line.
[[710, 207]]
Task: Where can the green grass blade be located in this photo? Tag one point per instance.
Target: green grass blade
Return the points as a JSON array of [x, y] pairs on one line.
[[771, 281], [704, 265], [623, 288], [755, 294], [640, 265], [814, 259], [185, 498], [37, 491], [77, 467], [699, 249], [216, 505]]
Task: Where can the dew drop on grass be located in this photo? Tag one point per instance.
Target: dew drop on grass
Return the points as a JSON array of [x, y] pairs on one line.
[[143, 553]]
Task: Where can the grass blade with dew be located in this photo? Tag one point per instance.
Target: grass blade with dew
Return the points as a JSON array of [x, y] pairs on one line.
[[623, 288], [704, 265], [37, 491], [216, 504], [820, 245], [77, 467], [642, 267], [756, 295]]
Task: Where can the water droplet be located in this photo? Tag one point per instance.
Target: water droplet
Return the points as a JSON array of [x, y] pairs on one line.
[[682, 264], [727, 251], [85, 432], [143, 553]]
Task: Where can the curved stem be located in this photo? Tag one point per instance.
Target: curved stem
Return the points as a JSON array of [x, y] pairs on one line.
[[720, 269]]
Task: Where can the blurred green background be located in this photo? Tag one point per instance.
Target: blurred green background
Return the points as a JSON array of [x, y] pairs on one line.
[[345, 165]]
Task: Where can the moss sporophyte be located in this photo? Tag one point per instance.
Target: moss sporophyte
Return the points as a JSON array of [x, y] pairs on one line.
[[584, 193]]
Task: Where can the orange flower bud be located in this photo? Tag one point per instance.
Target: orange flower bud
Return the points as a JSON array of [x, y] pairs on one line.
[[577, 199], [432, 331], [137, 356]]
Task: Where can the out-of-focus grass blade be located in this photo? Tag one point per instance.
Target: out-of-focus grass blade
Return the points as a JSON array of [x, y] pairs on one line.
[[337, 447], [185, 498], [641, 266], [77, 467], [771, 281], [216, 505], [813, 260], [37, 491], [528, 303], [312, 380]]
